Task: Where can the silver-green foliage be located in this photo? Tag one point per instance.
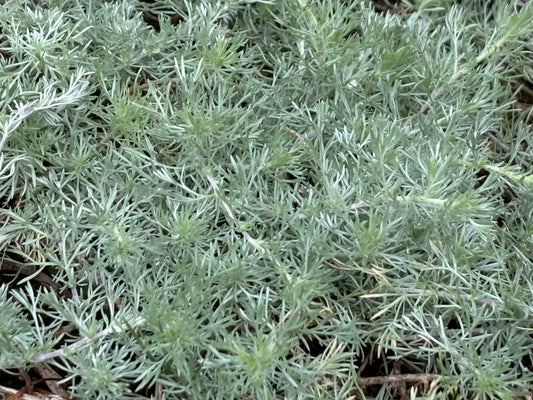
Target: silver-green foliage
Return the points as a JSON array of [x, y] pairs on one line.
[[215, 197]]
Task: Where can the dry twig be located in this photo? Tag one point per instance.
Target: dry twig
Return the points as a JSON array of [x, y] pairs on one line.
[[396, 379]]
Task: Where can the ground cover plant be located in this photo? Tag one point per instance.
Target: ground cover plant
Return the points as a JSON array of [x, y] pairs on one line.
[[285, 199]]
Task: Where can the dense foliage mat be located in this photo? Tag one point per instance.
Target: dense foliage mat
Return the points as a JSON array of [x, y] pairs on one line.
[[286, 199]]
